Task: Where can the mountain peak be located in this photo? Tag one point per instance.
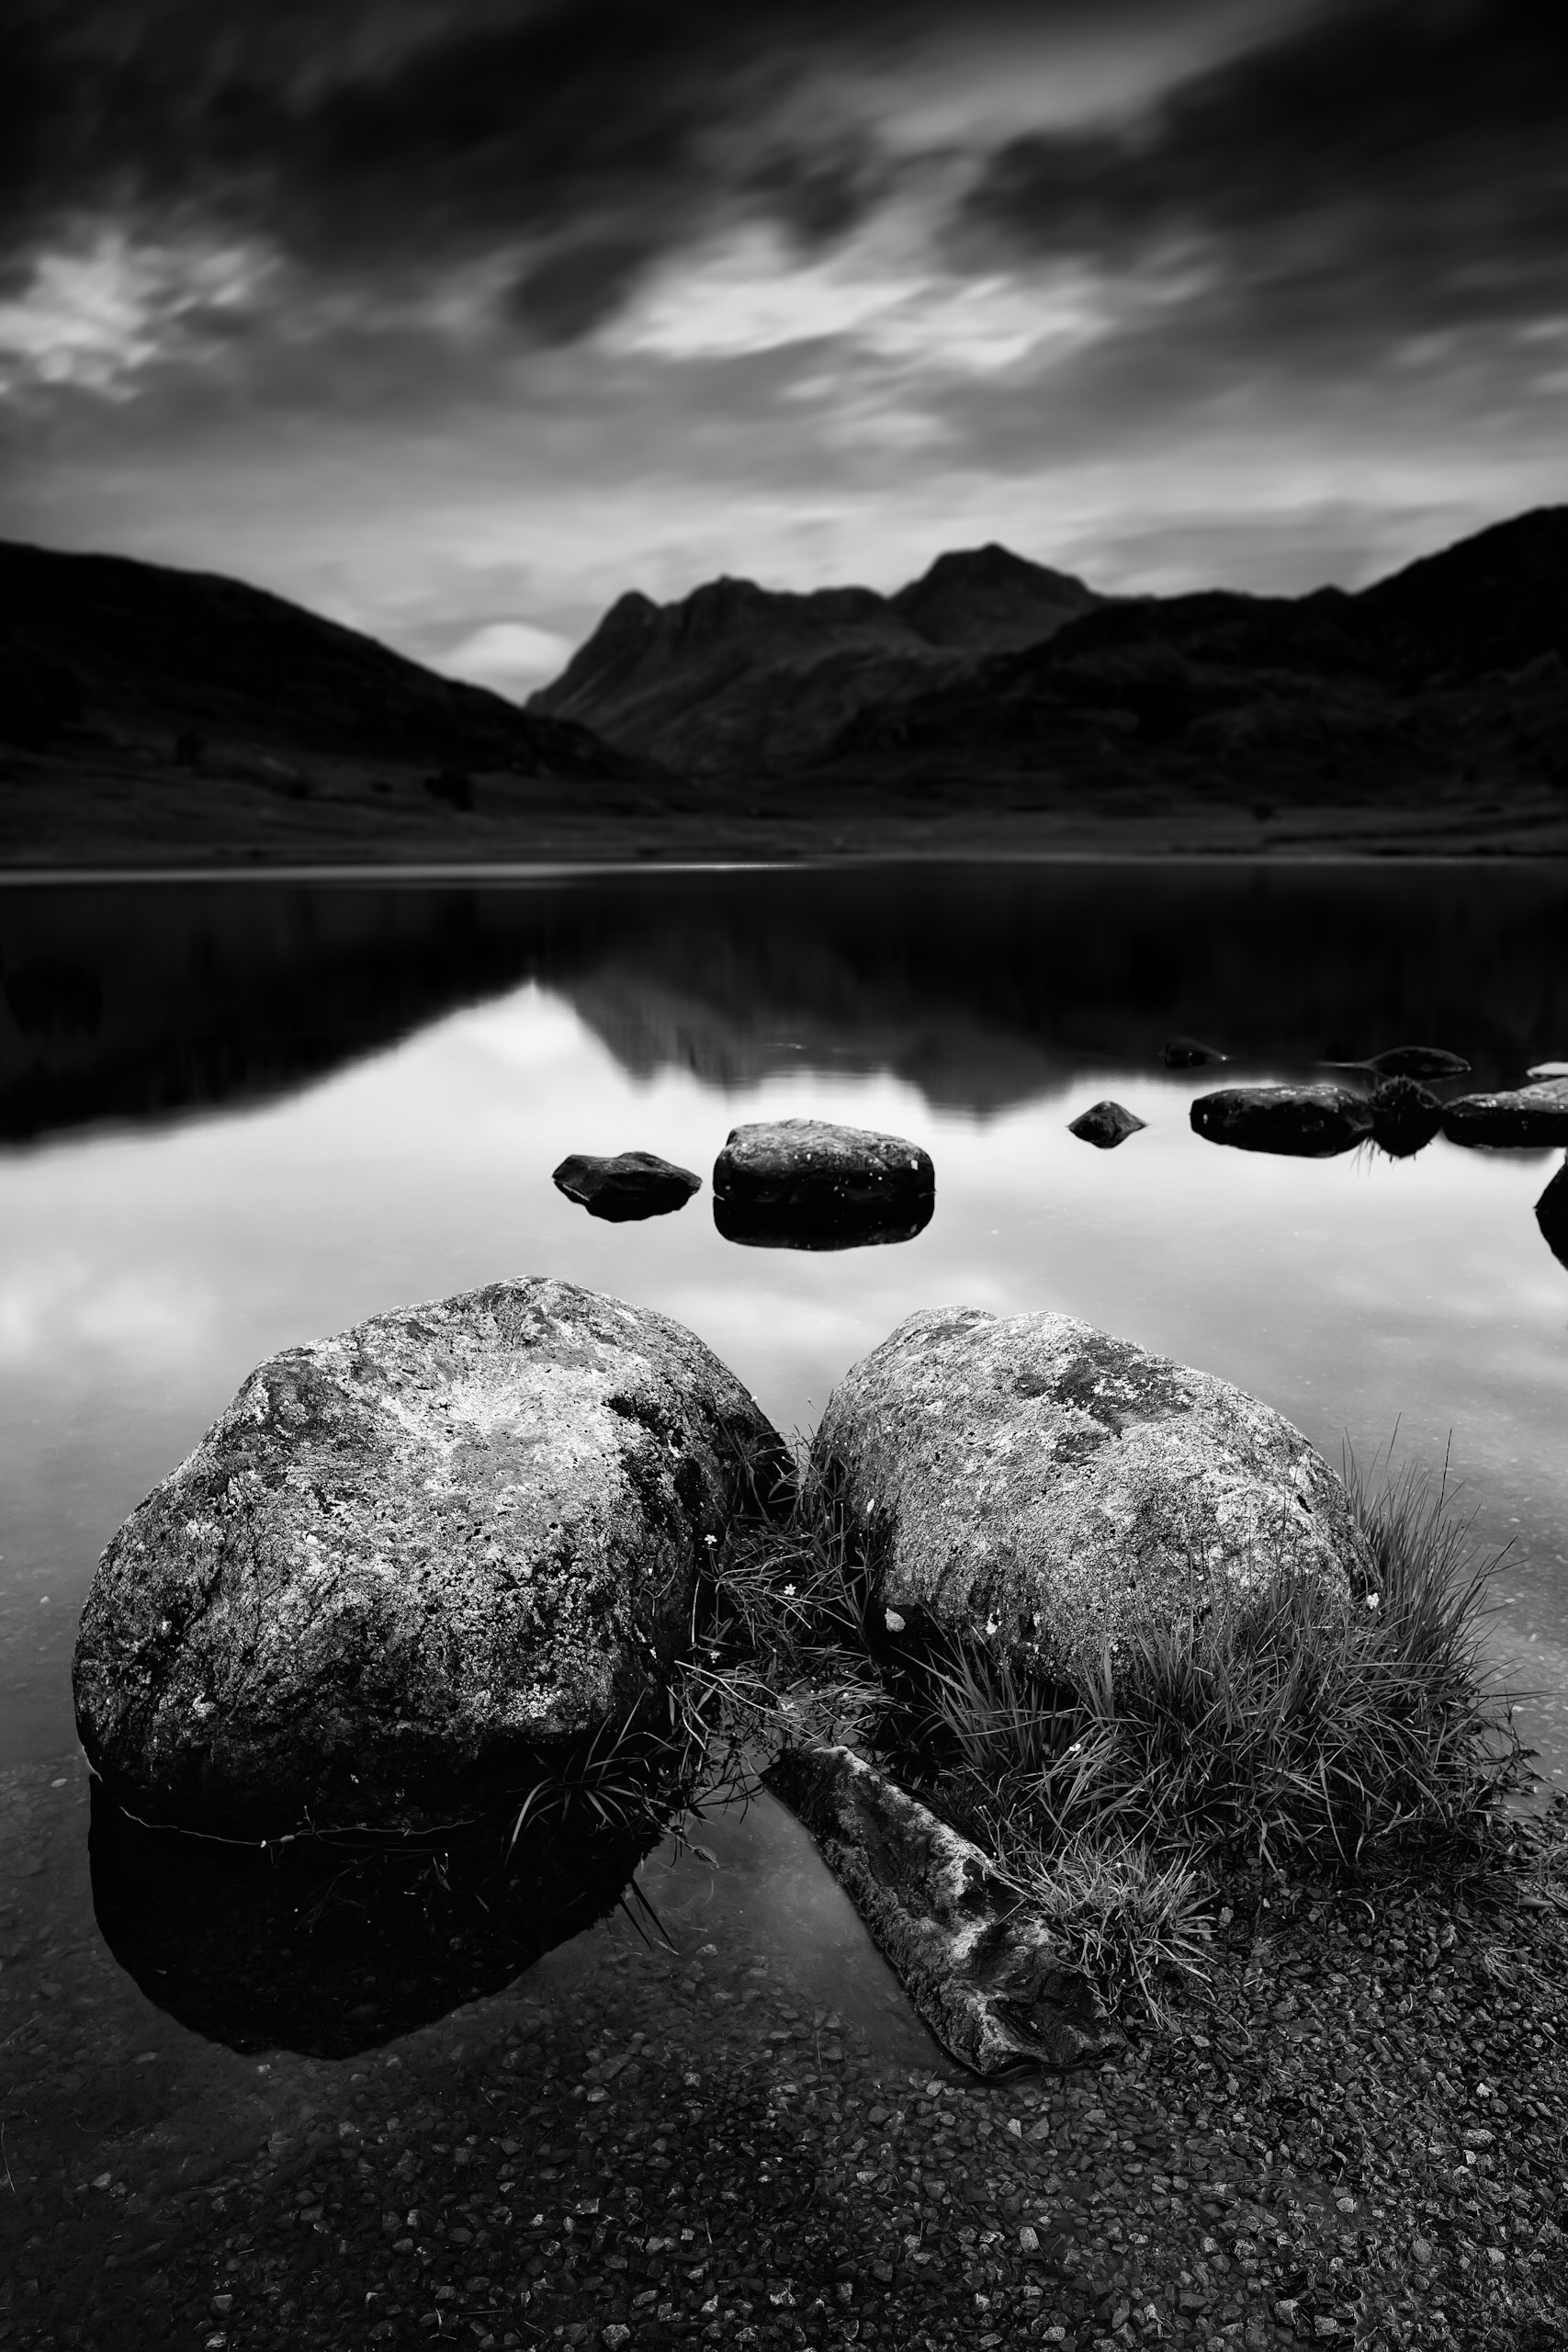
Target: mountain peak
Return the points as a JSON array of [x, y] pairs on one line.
[[987, 599]]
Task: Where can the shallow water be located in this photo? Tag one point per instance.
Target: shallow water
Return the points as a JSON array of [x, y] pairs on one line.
[[242, 1114]]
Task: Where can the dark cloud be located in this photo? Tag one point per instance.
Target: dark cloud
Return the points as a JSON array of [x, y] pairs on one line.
[[392, 137], [1381, 170]]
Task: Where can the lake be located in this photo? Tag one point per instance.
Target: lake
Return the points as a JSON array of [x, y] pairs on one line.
[[243, 1112]]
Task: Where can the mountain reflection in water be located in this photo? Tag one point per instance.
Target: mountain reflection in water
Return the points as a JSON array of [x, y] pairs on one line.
[[982, 987]]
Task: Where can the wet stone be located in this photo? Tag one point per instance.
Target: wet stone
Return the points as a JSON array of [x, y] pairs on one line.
[[627, 1186], [1105, 1125]]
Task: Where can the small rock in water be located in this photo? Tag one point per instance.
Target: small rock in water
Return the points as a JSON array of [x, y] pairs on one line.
[[806, 1184], [1105, 1125], [1189, 1053], [1417, 1061], [1548, 1069], [1405, 1116], [1303, 1121], [1552, 1215], [627, 1185], [1524, 1119]]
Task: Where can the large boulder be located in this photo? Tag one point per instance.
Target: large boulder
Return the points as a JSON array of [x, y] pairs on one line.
[[410, 1558], [1303, 1121], [625, 1185], [1526, 1118], [806, 1183], [1058, 1493]]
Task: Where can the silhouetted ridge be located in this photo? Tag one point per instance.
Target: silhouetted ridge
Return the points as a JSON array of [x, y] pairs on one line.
[[171, 649]]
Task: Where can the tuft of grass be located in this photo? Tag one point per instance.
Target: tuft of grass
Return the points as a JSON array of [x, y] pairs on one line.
[[1282, 1732], [1282, 1735]]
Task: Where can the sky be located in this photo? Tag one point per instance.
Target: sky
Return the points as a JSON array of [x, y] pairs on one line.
[[455, 319]]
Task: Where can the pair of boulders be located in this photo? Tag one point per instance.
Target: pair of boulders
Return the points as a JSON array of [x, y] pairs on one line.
[[411, 1558], [412, 1563], [787, 1183]]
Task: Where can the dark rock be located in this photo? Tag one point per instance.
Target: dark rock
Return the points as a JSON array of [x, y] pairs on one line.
[[1405, 1116], [1105, 1125], [1552, 1215], [1056, 1491], [804, 1183], [983, 1970], [1416, 1061], [1306, 1122], [408, 1558], [1527, 1118], [627, 1185], [1189, 1053]]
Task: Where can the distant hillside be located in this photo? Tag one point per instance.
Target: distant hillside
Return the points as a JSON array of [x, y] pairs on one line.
[[737, 678], [87, 638]]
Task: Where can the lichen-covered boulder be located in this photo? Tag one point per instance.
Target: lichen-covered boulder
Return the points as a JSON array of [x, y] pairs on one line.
[[1521, 1118], [1060, 1493], [409, 1557], [1300, 1122]]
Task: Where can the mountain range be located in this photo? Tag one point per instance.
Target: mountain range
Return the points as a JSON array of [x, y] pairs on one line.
[[990, 666], [995, 704]]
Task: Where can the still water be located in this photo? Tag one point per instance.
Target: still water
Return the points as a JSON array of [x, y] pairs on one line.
[[237, 1115]]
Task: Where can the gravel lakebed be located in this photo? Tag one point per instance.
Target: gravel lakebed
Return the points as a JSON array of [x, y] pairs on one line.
[[1359, 2133]]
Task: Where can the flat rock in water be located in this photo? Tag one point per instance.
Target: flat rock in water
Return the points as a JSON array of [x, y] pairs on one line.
[[1526, 1118], [983, 1970], [1552, 1215], [408, 1556], [1035, 1482], [1189, 1053], [1417, 1061], [627, 1185], [806, 1183], [1405, 1116], [1105, 1125], [1548, 1069], [1302, 1122]]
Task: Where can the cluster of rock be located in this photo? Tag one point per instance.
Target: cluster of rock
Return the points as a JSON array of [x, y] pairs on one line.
[[780, 1184], [413, 1562]]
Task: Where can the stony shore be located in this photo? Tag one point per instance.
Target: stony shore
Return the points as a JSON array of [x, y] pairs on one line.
[[1359, 2136]]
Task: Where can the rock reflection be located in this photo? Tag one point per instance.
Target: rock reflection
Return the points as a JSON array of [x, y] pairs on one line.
[[332, 1947], [856, 1226], [1552, 1215]]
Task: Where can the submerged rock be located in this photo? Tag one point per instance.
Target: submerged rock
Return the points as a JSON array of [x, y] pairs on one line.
[[1416, 1061], [1405, 1116], [1189, 1053], [1527, 1117], [1303, 1121], [1105, 1125], [1552, 1215], [804, 1184], [627, 1185], [408, 1558], [985, 1973], [1059, 1493]]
